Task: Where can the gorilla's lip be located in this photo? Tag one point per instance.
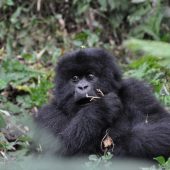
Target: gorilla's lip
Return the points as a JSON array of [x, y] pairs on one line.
[[83, 101]]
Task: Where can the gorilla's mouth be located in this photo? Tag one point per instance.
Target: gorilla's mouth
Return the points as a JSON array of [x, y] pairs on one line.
[[83, 101]]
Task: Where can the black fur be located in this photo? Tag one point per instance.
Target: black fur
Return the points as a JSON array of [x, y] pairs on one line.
[[139, 125]]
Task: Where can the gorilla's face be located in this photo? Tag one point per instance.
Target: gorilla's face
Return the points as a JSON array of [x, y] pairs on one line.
[[83, 87], [80, 74]]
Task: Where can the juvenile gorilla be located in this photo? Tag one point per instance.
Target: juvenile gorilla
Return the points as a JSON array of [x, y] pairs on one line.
[[91, 99]]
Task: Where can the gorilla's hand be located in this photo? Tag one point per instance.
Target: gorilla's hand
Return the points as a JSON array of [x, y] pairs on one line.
[[87, 125], [111, 106]]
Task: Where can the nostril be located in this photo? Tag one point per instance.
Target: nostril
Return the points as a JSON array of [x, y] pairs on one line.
[[81, 88], [85, 87]]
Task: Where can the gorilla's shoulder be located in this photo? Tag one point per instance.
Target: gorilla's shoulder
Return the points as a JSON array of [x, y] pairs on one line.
[[136, 89], [133, 83]]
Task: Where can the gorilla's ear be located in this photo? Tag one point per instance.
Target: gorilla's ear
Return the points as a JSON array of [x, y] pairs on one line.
[[116, 73]]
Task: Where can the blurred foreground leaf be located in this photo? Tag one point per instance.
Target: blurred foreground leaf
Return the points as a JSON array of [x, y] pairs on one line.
[[163, 163], [160, 159], [154, 48], [2, 121]]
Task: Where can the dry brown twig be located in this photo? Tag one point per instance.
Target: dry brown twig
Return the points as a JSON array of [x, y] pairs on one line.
[[107, 142], [95, 97], [100, 92], [92, 97]]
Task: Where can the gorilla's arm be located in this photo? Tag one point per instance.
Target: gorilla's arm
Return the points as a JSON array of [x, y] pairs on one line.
[[138, 100], [145, 132], [51, 118], [151, 139], [86, 127], [144, 140]]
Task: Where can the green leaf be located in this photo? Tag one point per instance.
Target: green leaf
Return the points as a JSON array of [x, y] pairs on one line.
[[103, 4], [3, 84], [111, 4], [82, 8], [12, 107], [137, 1], [24, 138], [93, 158], [3, 142], [2, 121], [14, 73], [107, 156], [39, 93], [10, 2], [165, 63], [24, 101], [154, 48], [14, 17], [160, 160]]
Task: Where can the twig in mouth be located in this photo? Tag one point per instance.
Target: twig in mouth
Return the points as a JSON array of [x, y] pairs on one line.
[[96, 97], [92, 97]]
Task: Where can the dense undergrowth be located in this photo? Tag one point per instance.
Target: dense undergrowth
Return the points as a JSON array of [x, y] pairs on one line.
[[33, 34]]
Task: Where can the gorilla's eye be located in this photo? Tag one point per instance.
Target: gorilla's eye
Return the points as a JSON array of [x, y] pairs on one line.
[[90, 76], [75, 78]]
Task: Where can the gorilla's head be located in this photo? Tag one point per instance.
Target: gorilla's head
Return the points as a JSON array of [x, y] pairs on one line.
[[80, 73]]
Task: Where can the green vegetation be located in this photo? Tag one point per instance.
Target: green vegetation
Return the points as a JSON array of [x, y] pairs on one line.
[[33, 34]]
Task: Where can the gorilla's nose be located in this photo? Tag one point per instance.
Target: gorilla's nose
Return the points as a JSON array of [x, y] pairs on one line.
[[83, 87]]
